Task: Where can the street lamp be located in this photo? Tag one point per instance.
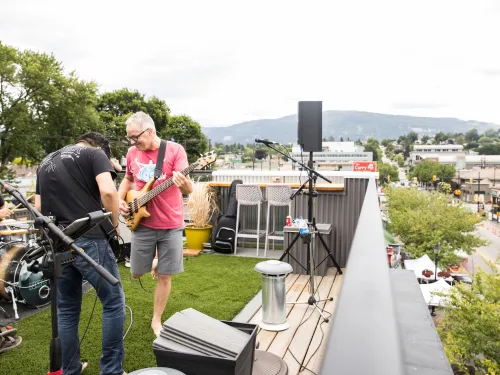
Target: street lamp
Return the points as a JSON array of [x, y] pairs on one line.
[[437, 247]]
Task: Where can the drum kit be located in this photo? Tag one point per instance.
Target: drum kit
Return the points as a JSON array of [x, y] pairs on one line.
[[19, 281]]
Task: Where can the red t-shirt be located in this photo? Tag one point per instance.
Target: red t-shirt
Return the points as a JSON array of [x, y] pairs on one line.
[[166, 209]]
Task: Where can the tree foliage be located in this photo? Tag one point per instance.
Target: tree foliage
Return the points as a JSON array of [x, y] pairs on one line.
[[385, 169], [422, 220], [184, 130], [399, 159], [372, 145], [426, 169], [41, 108], [116, 106], [470, 327]]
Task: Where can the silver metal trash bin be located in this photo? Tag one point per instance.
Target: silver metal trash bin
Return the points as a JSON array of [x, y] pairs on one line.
[[273, 294]]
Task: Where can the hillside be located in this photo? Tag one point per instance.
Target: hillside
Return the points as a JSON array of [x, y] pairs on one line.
[[346, 124]]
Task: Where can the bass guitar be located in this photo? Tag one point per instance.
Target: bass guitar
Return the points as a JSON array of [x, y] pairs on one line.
[[137, 200]]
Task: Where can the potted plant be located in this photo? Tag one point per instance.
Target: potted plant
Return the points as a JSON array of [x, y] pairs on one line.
[[201, 204], [427, 273]]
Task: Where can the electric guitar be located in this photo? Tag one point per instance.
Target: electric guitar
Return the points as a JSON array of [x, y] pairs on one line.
[[137, 200]]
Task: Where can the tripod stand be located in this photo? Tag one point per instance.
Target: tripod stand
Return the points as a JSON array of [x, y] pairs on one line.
[[53, 262], [309, 236]]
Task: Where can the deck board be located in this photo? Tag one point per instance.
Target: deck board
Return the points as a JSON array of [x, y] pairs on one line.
[[307, 336]]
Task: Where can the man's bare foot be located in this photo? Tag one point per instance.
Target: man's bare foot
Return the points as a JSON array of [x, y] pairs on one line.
[[84, 366], [156, 326]]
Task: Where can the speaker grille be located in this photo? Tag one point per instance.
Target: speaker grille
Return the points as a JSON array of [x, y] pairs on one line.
[[310, 125]]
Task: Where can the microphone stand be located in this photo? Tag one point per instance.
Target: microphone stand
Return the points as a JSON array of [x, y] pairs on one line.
[[309, 239], [52, 267]]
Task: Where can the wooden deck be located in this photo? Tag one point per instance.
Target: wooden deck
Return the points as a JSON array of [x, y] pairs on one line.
[[307, 336]]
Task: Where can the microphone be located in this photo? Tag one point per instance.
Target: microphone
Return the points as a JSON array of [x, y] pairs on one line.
[[266, 141]]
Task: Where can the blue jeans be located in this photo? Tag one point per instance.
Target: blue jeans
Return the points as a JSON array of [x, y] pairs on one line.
[[69, 303]]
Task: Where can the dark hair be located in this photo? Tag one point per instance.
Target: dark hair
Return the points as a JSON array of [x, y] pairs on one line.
[[95, 139]]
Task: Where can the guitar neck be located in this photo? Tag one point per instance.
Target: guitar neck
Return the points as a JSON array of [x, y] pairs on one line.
[[164, 186]]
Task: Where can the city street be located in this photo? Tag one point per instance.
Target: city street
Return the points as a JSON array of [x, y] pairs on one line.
[[490, 232]]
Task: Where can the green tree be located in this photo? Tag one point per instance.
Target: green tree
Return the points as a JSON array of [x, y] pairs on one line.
[[41, 108], [182, 129], [472, 135], [445, 188], [386, 142], [471, 145], [385, 169], [440, 137], [400, 160], [444, 172], [421, 220], [116, 106], [489, 149], [491, 133], [470, 327], [459, 139], [412, 137], [424, 171], [372, 145], [484, 140], [424, 139]]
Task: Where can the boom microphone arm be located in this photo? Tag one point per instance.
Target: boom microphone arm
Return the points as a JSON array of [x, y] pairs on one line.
[[66, 240]]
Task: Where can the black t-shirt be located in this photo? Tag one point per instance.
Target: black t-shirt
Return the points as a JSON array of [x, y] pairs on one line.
[[57, 199], [2, 201]]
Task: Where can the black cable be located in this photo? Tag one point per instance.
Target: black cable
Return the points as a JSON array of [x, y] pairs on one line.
[[302, 365]]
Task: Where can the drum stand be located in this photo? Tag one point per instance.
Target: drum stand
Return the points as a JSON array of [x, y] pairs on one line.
[[52, 265], [10, 290]]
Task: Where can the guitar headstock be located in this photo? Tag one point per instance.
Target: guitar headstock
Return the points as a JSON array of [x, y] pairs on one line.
[[205, 160]]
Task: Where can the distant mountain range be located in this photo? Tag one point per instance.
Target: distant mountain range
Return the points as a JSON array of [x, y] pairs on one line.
[[346, 124]]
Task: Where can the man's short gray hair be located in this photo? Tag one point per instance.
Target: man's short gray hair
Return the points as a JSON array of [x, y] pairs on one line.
[[142, 119]]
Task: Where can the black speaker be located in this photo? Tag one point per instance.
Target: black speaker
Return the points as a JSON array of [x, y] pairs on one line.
[[310, 126]]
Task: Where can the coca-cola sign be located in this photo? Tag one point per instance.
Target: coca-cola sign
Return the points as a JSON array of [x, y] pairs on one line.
[[364, 166]]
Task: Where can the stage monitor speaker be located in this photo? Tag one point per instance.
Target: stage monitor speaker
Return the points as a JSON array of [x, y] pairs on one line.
[[310, 125]]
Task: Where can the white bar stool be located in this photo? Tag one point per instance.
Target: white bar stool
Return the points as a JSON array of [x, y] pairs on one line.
[[278, 195], [248, 195]]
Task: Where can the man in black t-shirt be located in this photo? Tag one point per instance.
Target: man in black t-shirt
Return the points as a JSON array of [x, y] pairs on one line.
[[88, 163]]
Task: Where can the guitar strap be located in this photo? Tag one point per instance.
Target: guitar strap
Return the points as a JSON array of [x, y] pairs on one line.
[[159, 161]]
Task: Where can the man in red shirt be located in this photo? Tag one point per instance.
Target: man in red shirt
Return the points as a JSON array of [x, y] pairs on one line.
[[163, 230]]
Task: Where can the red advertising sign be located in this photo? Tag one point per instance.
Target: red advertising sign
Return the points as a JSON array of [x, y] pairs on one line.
[[364, 166]]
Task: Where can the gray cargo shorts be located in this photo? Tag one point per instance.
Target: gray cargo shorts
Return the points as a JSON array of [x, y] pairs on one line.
[[145, 241]]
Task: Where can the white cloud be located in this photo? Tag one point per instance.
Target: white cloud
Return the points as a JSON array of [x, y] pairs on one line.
[[224, 62]]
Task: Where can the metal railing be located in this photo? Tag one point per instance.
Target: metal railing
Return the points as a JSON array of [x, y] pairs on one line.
[[364, 338]]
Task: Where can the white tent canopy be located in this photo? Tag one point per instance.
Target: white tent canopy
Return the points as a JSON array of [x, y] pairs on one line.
[[428, 291], [420, 264]]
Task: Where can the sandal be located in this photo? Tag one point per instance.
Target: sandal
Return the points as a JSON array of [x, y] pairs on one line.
[[7, 331], [8, 342]]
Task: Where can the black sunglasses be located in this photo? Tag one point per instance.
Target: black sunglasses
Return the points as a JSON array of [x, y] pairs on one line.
[[135, 138]]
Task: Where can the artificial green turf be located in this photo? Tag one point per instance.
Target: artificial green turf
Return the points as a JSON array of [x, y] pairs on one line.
[[217, 285]]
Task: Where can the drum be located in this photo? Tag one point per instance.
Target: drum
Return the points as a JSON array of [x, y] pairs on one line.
[[29, 287]]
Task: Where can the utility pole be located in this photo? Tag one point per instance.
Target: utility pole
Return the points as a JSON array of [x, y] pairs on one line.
[[478, 187]]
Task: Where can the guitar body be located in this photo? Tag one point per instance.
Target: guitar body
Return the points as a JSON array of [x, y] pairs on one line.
[[137, 200], [133, 219]]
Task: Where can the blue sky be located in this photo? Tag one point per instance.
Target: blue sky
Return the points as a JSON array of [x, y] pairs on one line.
[[224, 62]]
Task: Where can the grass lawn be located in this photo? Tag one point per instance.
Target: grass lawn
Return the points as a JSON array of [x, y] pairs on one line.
[[217, 285]]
